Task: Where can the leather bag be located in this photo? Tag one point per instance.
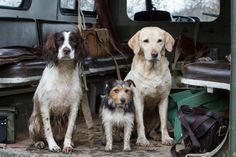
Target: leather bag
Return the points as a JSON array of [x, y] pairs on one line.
[[203, 130], [188, 50], [99, 43]]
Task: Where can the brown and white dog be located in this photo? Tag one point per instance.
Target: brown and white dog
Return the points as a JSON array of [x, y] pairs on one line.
[[152, 77], [117, 111], [57, 97]]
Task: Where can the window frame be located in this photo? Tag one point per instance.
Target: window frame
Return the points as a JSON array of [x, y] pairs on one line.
[[25, 5]]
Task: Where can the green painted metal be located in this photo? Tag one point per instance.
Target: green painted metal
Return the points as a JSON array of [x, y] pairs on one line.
[[232, 140]]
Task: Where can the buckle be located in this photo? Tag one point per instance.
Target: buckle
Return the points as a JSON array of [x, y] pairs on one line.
[[222, 130]]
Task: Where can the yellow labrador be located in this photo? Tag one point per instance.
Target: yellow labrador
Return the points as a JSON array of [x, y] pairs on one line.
[[152, 78]]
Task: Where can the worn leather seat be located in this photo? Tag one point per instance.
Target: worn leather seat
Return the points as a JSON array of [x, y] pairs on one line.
[[217, 71], [23, 69], [18, 53], [21, 66]]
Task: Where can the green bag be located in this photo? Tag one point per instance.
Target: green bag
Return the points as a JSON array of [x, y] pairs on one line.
[[7, 124]]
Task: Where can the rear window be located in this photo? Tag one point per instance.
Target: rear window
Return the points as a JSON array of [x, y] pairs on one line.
[[11, 3], [86, 5], [180, 10]]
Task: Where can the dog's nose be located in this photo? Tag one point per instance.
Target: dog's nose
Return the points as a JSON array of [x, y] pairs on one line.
[[122, 100], [154, 55], [66, 50]]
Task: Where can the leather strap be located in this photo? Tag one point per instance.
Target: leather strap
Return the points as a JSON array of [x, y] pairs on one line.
[[114, 60], [85, 106], [189, 132]]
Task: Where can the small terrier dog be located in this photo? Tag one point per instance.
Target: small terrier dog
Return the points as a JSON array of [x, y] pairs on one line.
[[117, 110]]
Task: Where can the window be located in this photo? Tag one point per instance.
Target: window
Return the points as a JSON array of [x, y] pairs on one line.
[[11, 3], [134, 6], [68, 4], [86, 5], [200, 10]]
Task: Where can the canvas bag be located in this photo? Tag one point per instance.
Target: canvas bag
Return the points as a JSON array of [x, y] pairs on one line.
[[97, 39]]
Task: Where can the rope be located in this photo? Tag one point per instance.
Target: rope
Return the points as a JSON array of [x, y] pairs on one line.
[[81, 19]]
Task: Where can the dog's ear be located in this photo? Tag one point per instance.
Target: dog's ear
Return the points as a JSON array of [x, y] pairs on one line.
[[50, 48], [109, 85], [134, 43], [169, 42], [130, 82]]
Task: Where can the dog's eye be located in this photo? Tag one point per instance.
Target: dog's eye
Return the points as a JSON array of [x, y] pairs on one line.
[[146, 41], [60, 39], [126, 91], [71, 39], [116, 90], [159, 40]]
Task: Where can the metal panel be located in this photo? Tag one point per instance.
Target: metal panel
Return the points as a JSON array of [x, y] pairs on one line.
[[232, 141], [18, 32]]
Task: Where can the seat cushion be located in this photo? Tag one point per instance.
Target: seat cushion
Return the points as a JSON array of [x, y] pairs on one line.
[[23, 69], [217, 71], [16, 54]]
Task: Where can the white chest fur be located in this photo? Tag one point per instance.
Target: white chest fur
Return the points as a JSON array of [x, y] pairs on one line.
[[117, 117], [59, 87]]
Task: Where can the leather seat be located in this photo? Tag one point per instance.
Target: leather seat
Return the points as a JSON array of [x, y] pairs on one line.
[[16, 54], [23, 69], [217, 71]]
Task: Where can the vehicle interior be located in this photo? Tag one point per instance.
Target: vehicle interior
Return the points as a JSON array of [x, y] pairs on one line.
[[200, 77]]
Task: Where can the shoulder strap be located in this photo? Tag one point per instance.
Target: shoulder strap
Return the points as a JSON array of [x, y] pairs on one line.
[[190, 133], [114, 60]]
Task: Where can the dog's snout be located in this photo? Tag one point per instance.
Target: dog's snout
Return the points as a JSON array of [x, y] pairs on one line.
[[66, 50], [154, 55], [122, 100]]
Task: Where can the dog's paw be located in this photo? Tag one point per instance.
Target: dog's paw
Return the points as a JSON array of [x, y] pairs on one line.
[[39, 145], [108, 147], [127, 148], [154, 135], [68, 149], [142, 141], [54, 148], [167, 141]]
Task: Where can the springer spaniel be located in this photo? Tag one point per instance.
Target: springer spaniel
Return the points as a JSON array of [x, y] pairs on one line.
[[57, 97]]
